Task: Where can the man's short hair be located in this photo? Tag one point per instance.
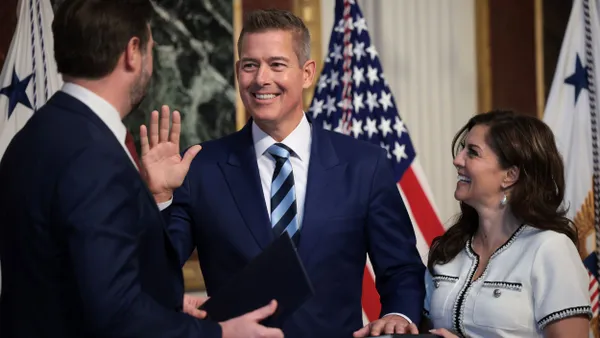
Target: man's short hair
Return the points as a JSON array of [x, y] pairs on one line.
[[276, 19], [90, 35]]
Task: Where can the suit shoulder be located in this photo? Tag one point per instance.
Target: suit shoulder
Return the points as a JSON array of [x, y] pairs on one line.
[[217, 150], [53, 129], [60, 134]]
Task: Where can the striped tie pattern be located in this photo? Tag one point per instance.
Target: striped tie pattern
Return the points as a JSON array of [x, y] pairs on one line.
[[283, 194]]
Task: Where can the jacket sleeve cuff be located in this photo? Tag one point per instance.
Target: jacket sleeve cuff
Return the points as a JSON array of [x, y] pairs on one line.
[[401, 315]]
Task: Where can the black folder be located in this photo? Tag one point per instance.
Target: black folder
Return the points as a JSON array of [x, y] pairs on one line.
[[276, 273]]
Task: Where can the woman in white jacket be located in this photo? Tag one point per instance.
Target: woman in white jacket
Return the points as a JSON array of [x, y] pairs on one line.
[[509, 266]]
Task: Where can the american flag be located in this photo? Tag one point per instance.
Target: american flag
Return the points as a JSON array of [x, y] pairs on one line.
[[353, 97]]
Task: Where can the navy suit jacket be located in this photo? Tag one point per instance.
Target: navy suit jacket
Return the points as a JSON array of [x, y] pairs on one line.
[[84, 249], [353, 207]]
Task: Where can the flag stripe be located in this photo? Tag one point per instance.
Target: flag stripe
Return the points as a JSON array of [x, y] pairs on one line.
[[421, 177], [415, 197], [370, 296], [426, 218]]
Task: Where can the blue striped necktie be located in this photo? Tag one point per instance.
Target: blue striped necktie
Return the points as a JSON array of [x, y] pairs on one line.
[[283, 194]]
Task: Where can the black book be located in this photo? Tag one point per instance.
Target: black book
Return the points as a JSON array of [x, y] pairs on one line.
[[276, 273]]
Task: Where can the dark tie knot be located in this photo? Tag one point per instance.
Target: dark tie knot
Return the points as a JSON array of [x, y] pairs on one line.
[[280, 151]]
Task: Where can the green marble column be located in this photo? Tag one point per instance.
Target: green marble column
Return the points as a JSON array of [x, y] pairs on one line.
[[193, 68]]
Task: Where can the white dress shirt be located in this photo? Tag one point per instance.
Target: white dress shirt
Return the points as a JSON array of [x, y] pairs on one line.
[[533, 280], [105, 111]]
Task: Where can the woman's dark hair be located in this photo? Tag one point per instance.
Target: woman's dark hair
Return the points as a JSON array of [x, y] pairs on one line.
[[527, 143]]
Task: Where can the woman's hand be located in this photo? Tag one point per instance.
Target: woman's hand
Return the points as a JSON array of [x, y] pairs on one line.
[[443, 333]]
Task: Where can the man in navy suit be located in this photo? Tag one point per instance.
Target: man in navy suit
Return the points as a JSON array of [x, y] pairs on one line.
[[84, 249], [334, 195]]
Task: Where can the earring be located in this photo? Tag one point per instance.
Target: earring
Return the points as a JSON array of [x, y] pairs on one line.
[[504, 200]]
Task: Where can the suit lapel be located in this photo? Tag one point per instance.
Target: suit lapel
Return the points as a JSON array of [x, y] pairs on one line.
[[241, 173], [324, 168]]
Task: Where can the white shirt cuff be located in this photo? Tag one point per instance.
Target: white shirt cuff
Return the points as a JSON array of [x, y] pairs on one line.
[[401, 315], [162, 206]]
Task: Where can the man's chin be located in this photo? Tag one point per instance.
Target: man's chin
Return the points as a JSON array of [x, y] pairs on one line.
[[137, 105], [265, 112]]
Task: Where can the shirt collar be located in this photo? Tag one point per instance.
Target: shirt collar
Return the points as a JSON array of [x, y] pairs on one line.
[[298, 140], [105, 111]]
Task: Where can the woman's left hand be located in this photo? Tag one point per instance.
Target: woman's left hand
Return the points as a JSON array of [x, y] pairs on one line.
[[443, 333]]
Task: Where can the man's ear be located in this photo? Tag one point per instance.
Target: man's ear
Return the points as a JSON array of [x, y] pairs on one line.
[[133, 54], [309, 70]]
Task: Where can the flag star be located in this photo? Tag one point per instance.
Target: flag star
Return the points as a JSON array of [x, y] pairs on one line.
[[387, 149], [400, 152], [340, 26], [372, 101], [330, 105], [372, 51], [382, 78], [322, 83], [386, 101], [357, 127], [337, 53], [360, 24], [579, 79], [345, 104], [317, 108], [327, 59], [359, 50], [340, 127], [371, 127], [358, 75], [16, 92], [358, 102], [399, 127], [326, 126], [385, 127], [333, 81], [372, 75]]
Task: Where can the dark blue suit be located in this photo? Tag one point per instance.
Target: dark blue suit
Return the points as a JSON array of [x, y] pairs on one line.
[[84, 249], [352, 208]]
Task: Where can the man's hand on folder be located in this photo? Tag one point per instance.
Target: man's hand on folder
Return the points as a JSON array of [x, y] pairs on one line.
[[247, 326]]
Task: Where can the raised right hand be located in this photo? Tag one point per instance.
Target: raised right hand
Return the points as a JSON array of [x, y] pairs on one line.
[[163, 168], [247, 326]]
